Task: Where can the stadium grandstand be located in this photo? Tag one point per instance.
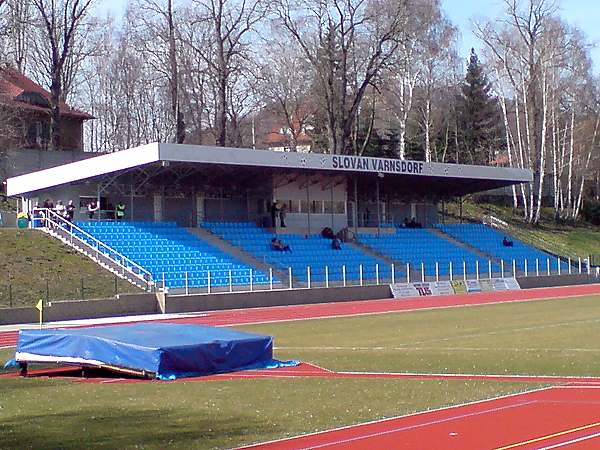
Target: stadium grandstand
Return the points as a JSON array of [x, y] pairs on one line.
[[197, 217]]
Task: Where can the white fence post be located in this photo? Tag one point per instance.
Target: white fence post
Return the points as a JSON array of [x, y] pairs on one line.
[[393, 274], [163, 282], [477, 269], [326, 276], [537, 267], [464, 270], [251, 280], [579, 262], [570, 270], [344, 275], [289, 278], [187, 287], [437, 271], [526, 268], [548, 266], [514, 268], [490, 268], [451, 274], [271, 278], [208, 281], [501, 268], [308, 276], [422, 272], [558, 265], [230, 281], [377, 274], [408, 272], [360, 274]]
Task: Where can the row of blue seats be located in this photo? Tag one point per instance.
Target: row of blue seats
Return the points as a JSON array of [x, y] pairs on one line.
[[165, 248]]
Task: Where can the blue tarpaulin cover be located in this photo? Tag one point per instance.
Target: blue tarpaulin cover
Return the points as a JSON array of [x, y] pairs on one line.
[[166, 350]]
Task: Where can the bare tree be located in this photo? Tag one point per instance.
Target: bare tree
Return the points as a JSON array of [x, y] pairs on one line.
[[348, 43], [59, 21], [285, 83], [225, 26]]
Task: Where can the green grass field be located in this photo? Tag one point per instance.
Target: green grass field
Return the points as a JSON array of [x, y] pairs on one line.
[[535, 338], [34, 264]]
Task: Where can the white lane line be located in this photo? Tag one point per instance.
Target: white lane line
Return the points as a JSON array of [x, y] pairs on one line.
[[572, 441], [419, 425], [415, 414], [445, 349]]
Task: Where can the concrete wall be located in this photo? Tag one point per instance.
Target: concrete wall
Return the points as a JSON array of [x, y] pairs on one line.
[[321, 188], [556, 280], [123, 305], [177, 304], [19, 162]]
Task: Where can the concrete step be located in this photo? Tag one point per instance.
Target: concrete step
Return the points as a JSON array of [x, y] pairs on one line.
[[240, 254], [464, 245], [398, 265]]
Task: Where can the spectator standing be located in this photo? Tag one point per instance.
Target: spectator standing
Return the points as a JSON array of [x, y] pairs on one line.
[[92, 208], [70, 211], [282, 214], [120, 211], [60, 209]]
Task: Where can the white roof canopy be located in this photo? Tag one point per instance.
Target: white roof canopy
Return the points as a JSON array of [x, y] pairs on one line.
[[196, 154]]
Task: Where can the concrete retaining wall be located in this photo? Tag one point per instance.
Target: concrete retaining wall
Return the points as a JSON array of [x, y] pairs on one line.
[[124, 305], [189, 303], [556, 281]]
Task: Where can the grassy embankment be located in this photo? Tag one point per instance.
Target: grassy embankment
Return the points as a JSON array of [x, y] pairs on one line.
[[34, 265], [534, 338]]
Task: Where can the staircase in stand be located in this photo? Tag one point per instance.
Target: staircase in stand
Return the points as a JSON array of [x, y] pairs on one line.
[[70, 234]]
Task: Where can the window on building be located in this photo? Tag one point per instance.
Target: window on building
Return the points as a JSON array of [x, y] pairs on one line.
[[316, 207], [328, 207]]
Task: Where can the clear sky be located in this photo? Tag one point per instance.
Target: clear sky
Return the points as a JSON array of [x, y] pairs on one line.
[[583, 14]]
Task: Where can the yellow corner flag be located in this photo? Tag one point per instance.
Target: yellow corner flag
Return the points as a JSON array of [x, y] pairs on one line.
[[40, 308]]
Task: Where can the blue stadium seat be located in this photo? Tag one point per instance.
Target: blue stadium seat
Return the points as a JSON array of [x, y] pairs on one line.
[[421, 246], [163, 247], [311, 251], [489, 241]]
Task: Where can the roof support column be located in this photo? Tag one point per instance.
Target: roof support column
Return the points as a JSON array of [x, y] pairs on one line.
[[355, 209], [308, 203], [378, 207], [332, 206]]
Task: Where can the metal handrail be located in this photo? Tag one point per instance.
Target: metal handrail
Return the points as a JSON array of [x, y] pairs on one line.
[[121, 260]]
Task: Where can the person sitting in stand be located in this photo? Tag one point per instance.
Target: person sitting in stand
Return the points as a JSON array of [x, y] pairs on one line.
[[92, 208], [120, 211], [278, 246], [406, 223], [507, 243], [336, 244], [327, 233]]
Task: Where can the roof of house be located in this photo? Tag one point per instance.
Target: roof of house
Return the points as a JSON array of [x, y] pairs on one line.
[[276, 138], [20, 92]]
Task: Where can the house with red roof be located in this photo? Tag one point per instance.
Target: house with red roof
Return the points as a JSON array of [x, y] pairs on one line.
[[25, 112]]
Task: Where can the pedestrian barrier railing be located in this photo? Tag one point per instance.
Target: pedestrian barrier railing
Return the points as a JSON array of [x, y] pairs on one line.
[[322, 277], [54, 224]]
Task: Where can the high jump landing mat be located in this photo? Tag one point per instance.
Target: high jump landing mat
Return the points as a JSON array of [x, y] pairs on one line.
[[158, 350]]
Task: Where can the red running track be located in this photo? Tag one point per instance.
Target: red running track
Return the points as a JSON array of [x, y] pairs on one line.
[[559, 417], [341, 309]]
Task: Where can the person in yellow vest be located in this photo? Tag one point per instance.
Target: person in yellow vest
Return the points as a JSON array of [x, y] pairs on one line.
[[120, 211]]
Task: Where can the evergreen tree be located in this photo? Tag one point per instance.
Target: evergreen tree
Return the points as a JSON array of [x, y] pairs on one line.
[[479, 117]]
